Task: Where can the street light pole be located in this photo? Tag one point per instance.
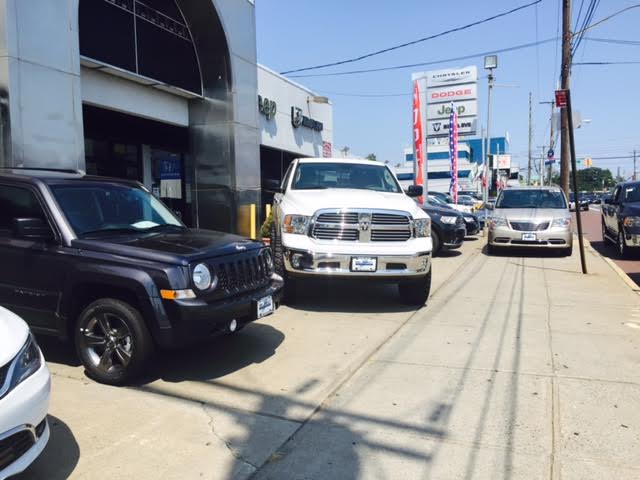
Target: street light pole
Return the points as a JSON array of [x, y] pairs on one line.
[[490, 62]]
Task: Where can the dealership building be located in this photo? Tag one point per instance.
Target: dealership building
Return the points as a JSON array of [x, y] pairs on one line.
[[167, 92]]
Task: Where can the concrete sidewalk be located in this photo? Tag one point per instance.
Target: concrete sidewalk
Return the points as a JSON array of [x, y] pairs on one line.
[[520, 367]]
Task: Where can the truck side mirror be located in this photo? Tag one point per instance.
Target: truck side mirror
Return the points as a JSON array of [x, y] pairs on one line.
[[414, 191], [32, 229], [272, 185], [607, 201]]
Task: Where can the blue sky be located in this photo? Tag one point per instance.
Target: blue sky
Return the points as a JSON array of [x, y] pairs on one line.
[[295, 33]]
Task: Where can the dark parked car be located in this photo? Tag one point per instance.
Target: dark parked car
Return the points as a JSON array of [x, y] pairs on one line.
[[584, 202], [472, 223], [447, 227], [621, 217], [104, 263]]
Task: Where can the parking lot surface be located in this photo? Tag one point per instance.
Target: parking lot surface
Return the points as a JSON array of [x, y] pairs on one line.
[[518, 367]]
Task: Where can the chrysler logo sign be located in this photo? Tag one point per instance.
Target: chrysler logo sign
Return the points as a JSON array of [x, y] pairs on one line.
[[298, 119]]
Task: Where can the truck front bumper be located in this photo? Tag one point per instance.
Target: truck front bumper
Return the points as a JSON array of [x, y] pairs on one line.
[[304, 256]]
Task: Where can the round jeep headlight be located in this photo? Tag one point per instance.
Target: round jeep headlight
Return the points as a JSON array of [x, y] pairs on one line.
[[202, 277]]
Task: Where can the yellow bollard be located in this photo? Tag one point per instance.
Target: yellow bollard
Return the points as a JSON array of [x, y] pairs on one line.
[[252, 220]]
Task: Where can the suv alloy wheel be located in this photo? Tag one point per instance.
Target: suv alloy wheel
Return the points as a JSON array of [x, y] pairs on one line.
[[622, 246], [112, 341]]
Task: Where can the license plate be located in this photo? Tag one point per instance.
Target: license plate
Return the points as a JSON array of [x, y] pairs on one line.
[[529, 237], [264, 307], [364, 264]]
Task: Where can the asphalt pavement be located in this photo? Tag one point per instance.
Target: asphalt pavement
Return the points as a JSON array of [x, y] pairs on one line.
[[518, 367]]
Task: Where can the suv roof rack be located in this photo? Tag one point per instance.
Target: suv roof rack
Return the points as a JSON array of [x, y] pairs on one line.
[[44, 169]]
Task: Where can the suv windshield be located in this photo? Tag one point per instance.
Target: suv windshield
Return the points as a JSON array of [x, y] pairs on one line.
[[93, 208], [531, 199], [316, 176]]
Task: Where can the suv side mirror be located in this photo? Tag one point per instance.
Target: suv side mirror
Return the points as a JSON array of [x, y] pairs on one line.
[[32, 229], [272, 185], [414, 191]]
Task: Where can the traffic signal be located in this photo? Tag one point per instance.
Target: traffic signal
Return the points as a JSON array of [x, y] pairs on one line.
[[588, 162]]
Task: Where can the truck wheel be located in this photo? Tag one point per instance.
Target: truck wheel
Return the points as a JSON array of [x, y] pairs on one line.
[[605, 238], [289, 293], [415, 292], [112, 341], [437, 244], [622, 246], [567, 252]]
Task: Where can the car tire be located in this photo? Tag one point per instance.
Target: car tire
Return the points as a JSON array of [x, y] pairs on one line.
[[437, 243], [415, 292], [289, 291], [112, 341], [622, 247]]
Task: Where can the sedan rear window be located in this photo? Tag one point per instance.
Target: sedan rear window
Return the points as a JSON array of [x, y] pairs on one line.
[[531, 199]]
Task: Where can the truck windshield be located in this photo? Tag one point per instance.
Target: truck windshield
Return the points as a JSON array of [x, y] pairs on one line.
[[531, 199], [95, 208], [317, 176]]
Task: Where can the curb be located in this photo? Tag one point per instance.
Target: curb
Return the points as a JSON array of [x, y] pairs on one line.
[[621, 273]]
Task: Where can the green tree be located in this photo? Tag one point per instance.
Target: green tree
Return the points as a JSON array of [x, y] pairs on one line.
[[590, 179], [371, 156]]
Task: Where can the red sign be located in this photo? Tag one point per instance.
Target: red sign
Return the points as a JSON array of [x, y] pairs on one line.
[[326, 149], [561, 98], [417, 135]]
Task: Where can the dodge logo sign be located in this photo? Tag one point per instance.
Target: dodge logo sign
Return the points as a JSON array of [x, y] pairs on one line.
[[364, 222]]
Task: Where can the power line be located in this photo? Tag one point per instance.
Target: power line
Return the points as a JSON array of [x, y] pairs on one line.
[[423, 64], [614, 41], [402, 45], [605, 19], [605, 63]]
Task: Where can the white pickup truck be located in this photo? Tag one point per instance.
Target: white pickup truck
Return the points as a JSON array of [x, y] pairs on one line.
[[350, 218]]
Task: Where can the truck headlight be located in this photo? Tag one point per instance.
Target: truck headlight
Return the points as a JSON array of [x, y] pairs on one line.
[[202, 277], [561, 222], [422, 227], [448, 220], [631, 222], [25, 364], [495, 222], [298, 224]]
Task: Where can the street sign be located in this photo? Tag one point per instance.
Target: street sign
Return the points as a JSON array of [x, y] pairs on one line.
[[550, 154], [549, 162], [561, 98]]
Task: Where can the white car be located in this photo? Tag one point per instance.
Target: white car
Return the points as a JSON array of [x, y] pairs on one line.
[[25, 384], [350, 218]]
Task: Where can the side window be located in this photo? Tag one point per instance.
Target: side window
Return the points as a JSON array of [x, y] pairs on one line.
[[616, 194], [17, 202], [287, 175]]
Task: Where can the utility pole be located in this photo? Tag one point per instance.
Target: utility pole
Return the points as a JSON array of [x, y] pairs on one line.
[[551, 136], [565, 73], [530, 139], [544, 147], [634, 166]]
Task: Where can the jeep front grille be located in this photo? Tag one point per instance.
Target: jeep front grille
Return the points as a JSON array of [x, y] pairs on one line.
[[243, 273], [360, 225]]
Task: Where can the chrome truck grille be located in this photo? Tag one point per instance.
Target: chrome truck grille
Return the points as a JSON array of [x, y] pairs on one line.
[[362, 225]]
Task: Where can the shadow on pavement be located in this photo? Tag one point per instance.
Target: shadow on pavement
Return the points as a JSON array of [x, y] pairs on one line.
[[344, 296], [630, 264], [59, 458], [218, 357], [525, 252], [448, 253]]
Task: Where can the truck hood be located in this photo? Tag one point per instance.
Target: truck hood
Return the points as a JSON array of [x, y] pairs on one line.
[[176, 248], [13, 334], [307, 202]]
